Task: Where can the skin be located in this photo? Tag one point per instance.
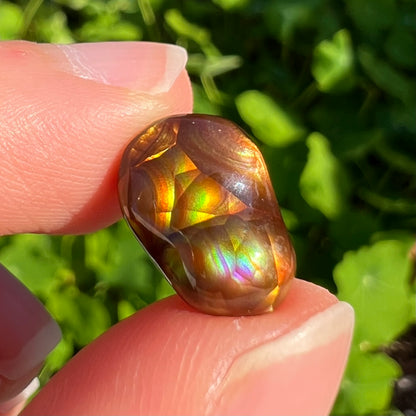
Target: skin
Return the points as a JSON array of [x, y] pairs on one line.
[[66, 116]]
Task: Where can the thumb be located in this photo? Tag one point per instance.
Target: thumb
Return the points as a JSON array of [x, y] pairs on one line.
[[170, 359], [66, 113]]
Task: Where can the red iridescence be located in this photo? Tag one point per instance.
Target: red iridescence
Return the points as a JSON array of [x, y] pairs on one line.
[[196, 192]]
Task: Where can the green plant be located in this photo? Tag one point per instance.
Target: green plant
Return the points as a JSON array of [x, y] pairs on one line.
[[327, 88], [375, 281]]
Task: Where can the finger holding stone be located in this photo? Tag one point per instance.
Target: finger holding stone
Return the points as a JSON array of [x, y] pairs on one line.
[[66, 113]]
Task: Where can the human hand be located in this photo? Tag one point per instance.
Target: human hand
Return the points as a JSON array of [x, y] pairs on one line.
[[66, 114]]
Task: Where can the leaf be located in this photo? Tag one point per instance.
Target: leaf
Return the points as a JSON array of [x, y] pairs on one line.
[[218, 65], [57, 358], [81, 317], [289, 218], [119, 260], [54, 29], [32, 260], [125, 309], [232, 4], [11, 20], [182, 27], [333, 63], [367, 386], [164, 289], [202, 104], [375, 281], [109, 26], [323, 182], [270, 123]]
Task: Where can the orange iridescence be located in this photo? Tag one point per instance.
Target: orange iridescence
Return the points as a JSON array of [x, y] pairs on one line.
[[196, 192]]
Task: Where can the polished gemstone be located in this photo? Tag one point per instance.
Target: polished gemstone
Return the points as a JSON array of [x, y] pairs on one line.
[[196, 192]]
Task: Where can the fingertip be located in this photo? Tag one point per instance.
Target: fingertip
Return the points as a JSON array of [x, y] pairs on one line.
[[171, 359], [15, 405], [65, 124], [298, 373]]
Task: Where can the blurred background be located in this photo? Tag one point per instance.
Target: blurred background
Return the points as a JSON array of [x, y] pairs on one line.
[[327, 89]]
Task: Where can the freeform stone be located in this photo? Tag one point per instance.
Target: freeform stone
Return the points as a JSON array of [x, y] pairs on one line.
[[196, 192]]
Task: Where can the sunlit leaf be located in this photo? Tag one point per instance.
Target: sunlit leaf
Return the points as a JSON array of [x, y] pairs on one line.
[[57, 358], [375, 281], [333, 61], [164, 289], [54, 29], [232, 4], [269, 121], [108, 27], [202, 104], [120, 261], [83, 316], [11, 20], [367, 386], [323, 182], [32, 259], [182, 27], [290, 219], [125, 309]]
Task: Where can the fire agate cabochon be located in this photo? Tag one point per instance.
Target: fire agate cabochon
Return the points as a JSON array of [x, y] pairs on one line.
[[196, 192]]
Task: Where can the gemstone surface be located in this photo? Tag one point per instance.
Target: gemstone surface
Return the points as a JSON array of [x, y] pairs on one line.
[[196, 192]]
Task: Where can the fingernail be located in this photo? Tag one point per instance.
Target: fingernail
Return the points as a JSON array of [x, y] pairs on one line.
[[296, 373], [140, 66], [16, 403], [27, 333]]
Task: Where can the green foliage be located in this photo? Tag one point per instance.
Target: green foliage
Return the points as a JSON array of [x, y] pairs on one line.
[[372, 16], [332, 66], [86, 282], [328, 90], [323, 183], [367, 384], [387, 77], [231, 4], [42, 269], [270, 122], [183, 28], [11, 20], [375, 281]]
